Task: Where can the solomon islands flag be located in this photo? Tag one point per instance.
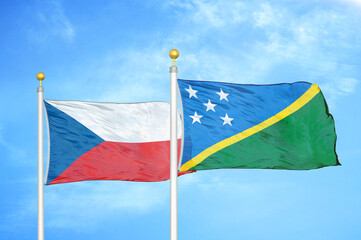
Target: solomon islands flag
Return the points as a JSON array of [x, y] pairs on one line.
[[108, 141], [279, 126]]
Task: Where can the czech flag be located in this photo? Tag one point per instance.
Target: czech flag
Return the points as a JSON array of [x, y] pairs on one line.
[[108, 141]]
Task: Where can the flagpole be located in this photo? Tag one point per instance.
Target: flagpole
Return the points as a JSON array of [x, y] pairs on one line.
[[40, 76], [173, 148]]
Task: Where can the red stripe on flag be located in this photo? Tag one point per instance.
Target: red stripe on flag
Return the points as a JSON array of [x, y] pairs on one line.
[[141, 162]]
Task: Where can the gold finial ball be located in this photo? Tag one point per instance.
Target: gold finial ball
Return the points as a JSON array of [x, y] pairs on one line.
[[173, 53], [40, 76]]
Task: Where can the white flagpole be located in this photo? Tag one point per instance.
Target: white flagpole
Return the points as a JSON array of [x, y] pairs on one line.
[[40, 76], [173, 148]]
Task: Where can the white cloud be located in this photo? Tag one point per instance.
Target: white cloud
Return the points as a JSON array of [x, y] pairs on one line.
[[335, 88], [267, 16], [211, 13], [13, 151], [348, 85], [313, 44], [224, 186], [305, 41], [52, 22], [85, 204], [134, 75], [353, 2]]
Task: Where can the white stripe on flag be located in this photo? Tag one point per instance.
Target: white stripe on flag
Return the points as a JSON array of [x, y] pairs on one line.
[[135, 122]]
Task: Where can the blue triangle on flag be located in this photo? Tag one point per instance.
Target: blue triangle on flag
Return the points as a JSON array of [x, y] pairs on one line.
[[69, 141]]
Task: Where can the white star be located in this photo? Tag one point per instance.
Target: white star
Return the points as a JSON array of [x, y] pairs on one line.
[[227, 119], [192, 92], [222, 95], [210, 106], [196, 118]]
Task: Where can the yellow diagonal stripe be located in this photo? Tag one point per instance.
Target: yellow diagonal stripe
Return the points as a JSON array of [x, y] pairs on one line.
[[300, 102]]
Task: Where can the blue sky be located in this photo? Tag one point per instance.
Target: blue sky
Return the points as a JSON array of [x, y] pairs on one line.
[[118, 51]]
